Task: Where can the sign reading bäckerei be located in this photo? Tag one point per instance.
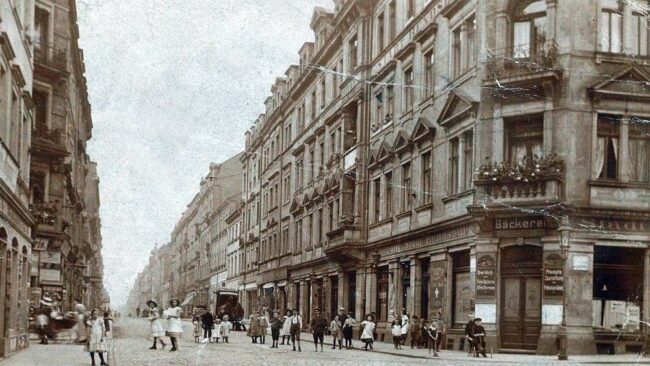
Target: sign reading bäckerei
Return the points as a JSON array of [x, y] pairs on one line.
[[521, 223]]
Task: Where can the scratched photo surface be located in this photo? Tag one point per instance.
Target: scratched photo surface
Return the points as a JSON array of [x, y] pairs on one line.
[[324, 182]]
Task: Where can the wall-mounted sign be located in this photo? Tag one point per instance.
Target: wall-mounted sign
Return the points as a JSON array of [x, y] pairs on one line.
[[521, 223], [580, 263], [438, 284], [486, 283], [553, 282]]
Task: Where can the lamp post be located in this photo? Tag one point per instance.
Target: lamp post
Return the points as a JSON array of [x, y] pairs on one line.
[[563, 237]]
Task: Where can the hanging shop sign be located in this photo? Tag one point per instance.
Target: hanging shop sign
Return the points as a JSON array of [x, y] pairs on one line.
[[486, 283]]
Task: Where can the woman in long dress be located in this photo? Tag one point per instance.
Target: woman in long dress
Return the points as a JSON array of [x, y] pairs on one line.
[[285, 332], [157, 330], [96, 332], [174, 325], [254, 327]]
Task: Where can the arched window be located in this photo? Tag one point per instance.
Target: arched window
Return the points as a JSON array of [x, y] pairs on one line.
[[529, 29]]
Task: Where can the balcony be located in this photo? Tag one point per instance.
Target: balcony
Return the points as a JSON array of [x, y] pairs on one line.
[[523, 65], [45, 213], [344, 243], [49, 142], [534, 182], [50, 62]]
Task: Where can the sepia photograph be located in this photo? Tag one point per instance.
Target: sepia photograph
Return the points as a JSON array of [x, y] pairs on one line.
[[324, 182]]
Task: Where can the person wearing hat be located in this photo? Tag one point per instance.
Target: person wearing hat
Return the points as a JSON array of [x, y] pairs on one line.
[[157, 330], [296, 326], [335, 329], [318, 325], [174, 325], [478, 334], [96, 342]]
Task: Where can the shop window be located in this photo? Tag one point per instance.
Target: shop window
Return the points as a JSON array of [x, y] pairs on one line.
[[529, 34], [352, 290], [639, 147], [382, 293], [524, 140], [606, 163], [611, 27], [617, 300], [462, 289], [334, 295], [406, 283]]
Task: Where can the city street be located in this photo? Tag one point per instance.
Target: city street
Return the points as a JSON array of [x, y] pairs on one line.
[[131, 349]]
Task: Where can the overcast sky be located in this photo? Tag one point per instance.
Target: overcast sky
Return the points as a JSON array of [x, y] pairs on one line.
[[173, 85]]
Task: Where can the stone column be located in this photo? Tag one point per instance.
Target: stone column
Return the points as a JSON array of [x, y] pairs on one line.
[[551, 10], [327, 289], [343, 291], [415, 283], [304, 302], [579, 297], [629, 34], [485, 257], [501, 29], [360, 295], [393, 268], [438, 274], [624, 151], [553, 267], [399, 288], [371, 289]]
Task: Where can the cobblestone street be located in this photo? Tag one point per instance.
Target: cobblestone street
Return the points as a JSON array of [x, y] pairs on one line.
[[131, 349]]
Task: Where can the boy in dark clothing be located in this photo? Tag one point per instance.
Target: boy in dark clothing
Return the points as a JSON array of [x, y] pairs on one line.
[[468, 335], [276, 325], [318, 325], [478, 334]]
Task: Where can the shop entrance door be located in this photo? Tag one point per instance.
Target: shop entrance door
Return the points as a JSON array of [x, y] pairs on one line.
[[521, 294]]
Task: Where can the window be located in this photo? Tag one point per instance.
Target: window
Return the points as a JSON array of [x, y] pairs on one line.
[[330, 211], [462, 288], [390, 102], [410, 10], [607, 147], [406, 187], [392, 19], [38, 182], [382, 293], [323, 94], [319, 228], [335, 82], [640, 27], [470, 58], [377, 198], [379, 109], [456, 53], [40, 110], [426, 178], [286, 188], [639, 147], [429, 72], [352, 54], [42, 29], [299, 173], [298, 239], [380, 32], [453, 166], [321, 161], [529, 34], [408, 89], [333, 144], [301, 118], [468, 157], [389, 194], [287, 135], [525, 140], [611, 27], [312, 162], [313, 105]]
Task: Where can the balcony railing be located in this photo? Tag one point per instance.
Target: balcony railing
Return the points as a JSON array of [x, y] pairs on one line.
[[537, 180], [45, 213], [52, 57], [54, 135], [522, 59]]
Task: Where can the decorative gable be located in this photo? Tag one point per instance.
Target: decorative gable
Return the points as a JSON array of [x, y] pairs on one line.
[[401, 142], [385, 152], [295, 206], [423, 128], [629, 84], [458, 107], [373, 158]]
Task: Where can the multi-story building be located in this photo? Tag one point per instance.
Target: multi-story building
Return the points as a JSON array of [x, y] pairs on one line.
[[67, 244], [95, 294], [234, 258], [16, 120], [424, 156]]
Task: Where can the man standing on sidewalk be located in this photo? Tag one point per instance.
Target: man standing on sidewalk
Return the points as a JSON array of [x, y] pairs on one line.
[[207, 320], [318, 325]]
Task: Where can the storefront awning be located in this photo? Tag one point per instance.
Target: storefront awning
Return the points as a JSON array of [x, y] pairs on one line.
[[250, 286], [269, 285], [282, 283]]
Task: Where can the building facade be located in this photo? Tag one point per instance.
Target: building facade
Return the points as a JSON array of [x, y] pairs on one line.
[[17, 116]]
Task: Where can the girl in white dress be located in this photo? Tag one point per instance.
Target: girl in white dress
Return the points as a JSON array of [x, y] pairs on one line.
[[174, 325], [157, 330], [285, 332], [96, 332], [216, 330], [226, 326], [367, 334]]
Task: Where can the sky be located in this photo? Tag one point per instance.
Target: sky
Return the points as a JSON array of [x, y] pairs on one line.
[[174, 84]]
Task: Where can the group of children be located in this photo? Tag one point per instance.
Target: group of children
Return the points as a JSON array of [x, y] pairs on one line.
[[423, 334], [220, 330]]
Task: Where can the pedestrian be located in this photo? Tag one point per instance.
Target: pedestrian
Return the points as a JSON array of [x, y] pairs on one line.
[[336, 330], [254, 327], [207, 321], [478, 334], [442, 330], [216, 330], [296, 328], [348, 326], [276, 325], [405, 326], [343, 315], [318, 325], [197, 328], [367, 333], [174, 325], [424, 337], [42, 322], [226, 326], [286, 328], [469, 340], [96, 337], [414, 332], [157, 330], [264, 324], [396, 331], [80, 327], [137, 311], [432, 338]]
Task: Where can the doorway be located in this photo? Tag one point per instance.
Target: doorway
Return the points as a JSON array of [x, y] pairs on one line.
[[521, 297]]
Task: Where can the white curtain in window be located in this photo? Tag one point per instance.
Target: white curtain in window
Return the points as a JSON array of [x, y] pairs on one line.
[[521, 42], [599, 159], [639, 163], [517, 154], [616, 36]]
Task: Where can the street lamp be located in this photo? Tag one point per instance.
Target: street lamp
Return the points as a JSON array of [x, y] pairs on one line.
[[563, 237]]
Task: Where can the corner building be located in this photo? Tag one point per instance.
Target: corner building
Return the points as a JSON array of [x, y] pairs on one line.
[[460, 158]]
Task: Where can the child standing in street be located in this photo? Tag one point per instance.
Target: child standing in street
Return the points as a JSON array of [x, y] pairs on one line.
[[216, 330], [226, 326], [96, 337], [286, 328], [335, 330], [276, 325], [347, 331], [396, 331], [264, 325], [432, 338], [198, 329], [367, 334]]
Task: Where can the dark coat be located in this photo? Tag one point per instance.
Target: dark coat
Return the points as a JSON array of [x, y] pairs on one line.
[[208, 320]]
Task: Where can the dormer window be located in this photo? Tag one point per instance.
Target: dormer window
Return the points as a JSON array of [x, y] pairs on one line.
[[529, 32]]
